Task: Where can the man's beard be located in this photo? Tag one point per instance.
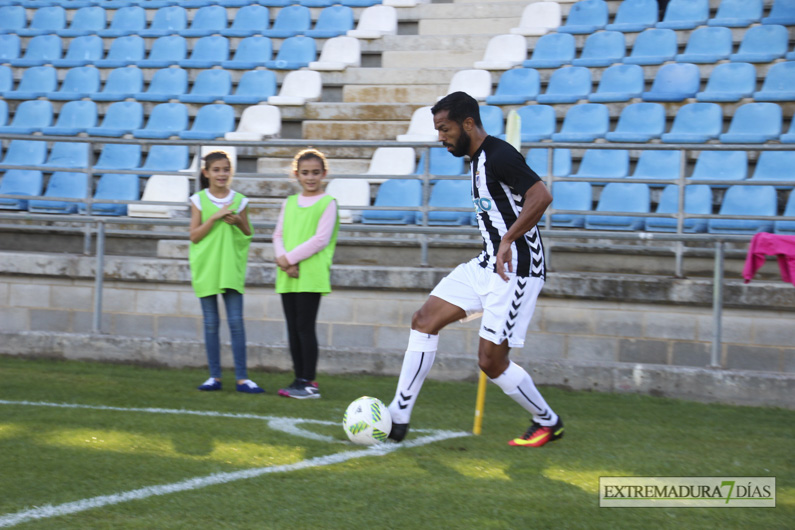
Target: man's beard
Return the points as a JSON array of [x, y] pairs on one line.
[[461, 146]]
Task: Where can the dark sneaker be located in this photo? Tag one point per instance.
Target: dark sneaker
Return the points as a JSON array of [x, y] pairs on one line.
[[210, 385], [250, 387], [301, 390], [399, 431], [537, 435]]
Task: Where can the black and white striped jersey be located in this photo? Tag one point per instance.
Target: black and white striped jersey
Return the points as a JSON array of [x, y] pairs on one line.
[[500, 179]]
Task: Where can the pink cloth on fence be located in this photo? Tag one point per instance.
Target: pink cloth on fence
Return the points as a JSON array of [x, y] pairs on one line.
[[764, 244]]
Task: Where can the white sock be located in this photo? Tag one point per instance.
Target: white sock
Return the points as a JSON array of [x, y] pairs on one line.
[[517, 383], [417, 363]]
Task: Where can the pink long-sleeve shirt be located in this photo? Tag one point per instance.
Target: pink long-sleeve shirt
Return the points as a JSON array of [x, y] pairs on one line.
[[316, 243]]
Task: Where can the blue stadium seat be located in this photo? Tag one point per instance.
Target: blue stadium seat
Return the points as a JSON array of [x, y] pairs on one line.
[[169, 20], [75, 117], [721, 165], [123, 51], [620, 82], [395, 193], [737, 13], [9, 48], [294, 53], [250, 20], [45, 20], [776, 166], [12, 19], [762, 44], [212, 121], [63, 185], [290, 21], [165, 120], [685, 14], [235, 3], [129, 20], [604, 163], [35, 83], [165, 158], [538, 160], [567, 85], [442, 163], [602, 48], [789, 137], [576, 196], [621, 197], [119, 156], [166, 51], [729, 82], [251, 52], [208, 20], [25, 152], [121, 83], [3, 111], [782, 12], [166, 84], [552, 50], [674, 82], [359, 3], [68, 155], [86, 21], [41, 50], [639, 122], [449, 194], [30, 116], [516, 87], [493, 120], [754, 123], [697, 200], [695, 123], [663, 165], [117, 187], [209, 86], [538, 122], [82, 51], [78, 83], [746, 201], [333, 21], [586, 16], [584, 123], [653, 46], [787, 227], [121, 117], [634, 15], [22, 182], [207, 52], [255, 86], [707, 45], [779, 83]]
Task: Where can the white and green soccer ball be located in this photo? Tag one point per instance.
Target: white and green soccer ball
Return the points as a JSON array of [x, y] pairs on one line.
[[367, 421]]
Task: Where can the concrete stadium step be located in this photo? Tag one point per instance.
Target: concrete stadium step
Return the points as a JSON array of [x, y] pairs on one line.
[[394, 93], [283, 166], [359, 111], [353, 129], [469, 18], [462, 58]]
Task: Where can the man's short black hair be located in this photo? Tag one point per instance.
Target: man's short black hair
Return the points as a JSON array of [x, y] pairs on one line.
[[460, 106]]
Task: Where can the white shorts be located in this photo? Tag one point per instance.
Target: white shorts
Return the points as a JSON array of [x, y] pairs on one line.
[[507, 307]]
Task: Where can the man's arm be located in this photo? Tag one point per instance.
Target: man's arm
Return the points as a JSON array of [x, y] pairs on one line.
[[536, 201]]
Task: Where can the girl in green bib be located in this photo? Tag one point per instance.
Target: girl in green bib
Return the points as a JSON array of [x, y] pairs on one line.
[[304, 242], [220, 235]]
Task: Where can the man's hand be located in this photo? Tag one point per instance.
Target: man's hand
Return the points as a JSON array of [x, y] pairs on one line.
[[504, 256]]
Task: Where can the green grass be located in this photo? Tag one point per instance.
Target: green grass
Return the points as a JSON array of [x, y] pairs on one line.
[[51, 456]]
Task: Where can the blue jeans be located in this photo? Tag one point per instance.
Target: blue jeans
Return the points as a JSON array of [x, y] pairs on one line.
[[233, 301]]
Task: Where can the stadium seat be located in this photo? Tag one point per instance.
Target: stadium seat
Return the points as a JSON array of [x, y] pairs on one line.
[[12, 19], [729, 82], [552, 51], [122, 83], [166, 51], [45, 20], [567, 85], [22, 182], [639, 122], [762, 44], [516, 87], [538, 122], [257, 122], [9, 48], [166, 84], [338, 53], [333, 21], [653, 46], [294, 53], [230, 150], [442, 163], [697, 200], [165, 120], [634, 15], [298, 87], [475, 82], [251, 52], [721, 165], [789, 136], [780, 227], [78, 83], [169, 20], [3, 111], [375, 22], [449, 194], [746, 201], [776, 166], [503, 52], [685, 14], [25, 153], [349, 192], [123, 51], [493, 120], [250, 20], [571, 196], [604, 163], [162, 188], [121, 117], [6, 85], [63, 185], [695, 123], [88, 20], [621, 197], [83, 50], [782, 12], [779, 84], [74, 118], [119, 156], [117, 187], [538, 160], [586, 16], [212, 121], [165, 158], [290, 21], [754, 123], [30, 116], [207, 52], [584, 123], [209, 86], [359, 3], [391, 161], [674, 82], [129, 20], [41, 50], [602, 48], [421, 127], [663, 165], [255, 86], [395, 193], [619, 82], [208, 20], [737, 13], [707, 45], [68, 155]]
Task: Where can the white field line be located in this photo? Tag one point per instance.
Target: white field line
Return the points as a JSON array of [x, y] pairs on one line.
[[48, 511]]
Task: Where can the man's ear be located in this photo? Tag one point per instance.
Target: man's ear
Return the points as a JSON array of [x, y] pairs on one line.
[[469, 124]]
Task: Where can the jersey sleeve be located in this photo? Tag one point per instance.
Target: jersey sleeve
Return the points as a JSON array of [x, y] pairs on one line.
[[510, 167]]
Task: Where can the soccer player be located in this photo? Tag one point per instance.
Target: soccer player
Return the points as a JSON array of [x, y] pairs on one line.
[[502, 283]]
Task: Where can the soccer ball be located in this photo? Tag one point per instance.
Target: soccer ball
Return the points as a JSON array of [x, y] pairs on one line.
[[367, 421]]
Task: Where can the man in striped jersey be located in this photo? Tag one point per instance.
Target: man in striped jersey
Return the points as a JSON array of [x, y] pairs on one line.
[[502, 283]]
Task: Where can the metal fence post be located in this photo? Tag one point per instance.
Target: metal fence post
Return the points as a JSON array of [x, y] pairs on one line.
[[717, 306], [680, 217], [99, 275]]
